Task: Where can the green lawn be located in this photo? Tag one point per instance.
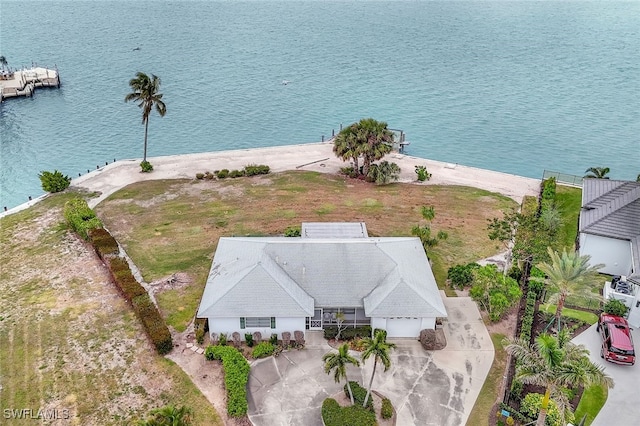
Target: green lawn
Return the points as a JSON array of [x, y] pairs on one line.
[[591, 403], [588, 317], [173, 226], [489, 392], [67, 338], [568, 201]]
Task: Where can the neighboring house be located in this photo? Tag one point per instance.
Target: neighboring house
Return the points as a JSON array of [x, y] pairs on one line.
[[610, 234], [278, 284]]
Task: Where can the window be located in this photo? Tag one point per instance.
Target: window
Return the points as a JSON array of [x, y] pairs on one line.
[[257, 322]]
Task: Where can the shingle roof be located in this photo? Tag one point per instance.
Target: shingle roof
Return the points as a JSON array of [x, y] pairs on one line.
[[261, 276]]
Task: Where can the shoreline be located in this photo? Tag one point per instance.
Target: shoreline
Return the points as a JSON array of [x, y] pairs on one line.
[[315, 156]]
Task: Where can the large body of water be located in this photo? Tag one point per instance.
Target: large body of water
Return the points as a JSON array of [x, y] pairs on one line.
[[514, 86]]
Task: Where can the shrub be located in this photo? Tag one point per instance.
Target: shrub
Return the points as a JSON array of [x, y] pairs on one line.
[[236, 173], [54, 182], [102, 241], [248, 337], [200, 176], [124, 279], [359, 394], [615, 307], [383, 173], [527, 318], [223, 173], [461, 275], [80, 217], [199, 326], [350, 333], [422, 173], [349, 171], [256, 169], [236, 374], [223, 339], [146, 167], [292, 231], [531, 407], [209, 176], [386, 411], [273, 339], [515, 393], [153, 323], [335, 415], [263, 350]]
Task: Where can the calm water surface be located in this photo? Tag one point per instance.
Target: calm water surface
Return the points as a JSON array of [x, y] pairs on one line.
[[514, 86]]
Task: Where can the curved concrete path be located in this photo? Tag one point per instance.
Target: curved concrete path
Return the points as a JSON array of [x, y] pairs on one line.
[[426, 387]]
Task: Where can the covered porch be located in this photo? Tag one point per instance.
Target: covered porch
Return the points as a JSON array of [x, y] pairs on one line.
[[353, 317]]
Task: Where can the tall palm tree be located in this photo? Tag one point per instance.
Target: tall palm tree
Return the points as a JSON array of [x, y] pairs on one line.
[[169, 416], [146, 93], [556, 364], [338, 362], [376, 141], [597, 172], [379, 348], [345, 146], [568, 273], [368, 138]]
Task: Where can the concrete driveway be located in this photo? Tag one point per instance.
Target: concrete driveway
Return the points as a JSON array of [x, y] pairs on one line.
[[621, 407], [426, 387]]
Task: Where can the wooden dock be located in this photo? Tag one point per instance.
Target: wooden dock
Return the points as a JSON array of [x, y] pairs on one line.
[[24, 82]]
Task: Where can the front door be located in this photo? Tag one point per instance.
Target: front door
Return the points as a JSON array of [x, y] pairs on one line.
[[315, 323]]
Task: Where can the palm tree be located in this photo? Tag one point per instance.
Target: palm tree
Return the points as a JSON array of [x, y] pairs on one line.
[[378, 347], [3, 62], [169, 416], [375, 139], [338, 362], [145, 92], [345, 146], [597, 172], [368, 138], [567, 274], [556, 364]]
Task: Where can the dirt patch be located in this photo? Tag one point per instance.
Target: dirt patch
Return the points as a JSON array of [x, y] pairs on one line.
[[175, 281], [506, 326]]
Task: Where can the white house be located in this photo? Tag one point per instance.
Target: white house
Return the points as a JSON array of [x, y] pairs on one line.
[[610, 233], [278, 284]]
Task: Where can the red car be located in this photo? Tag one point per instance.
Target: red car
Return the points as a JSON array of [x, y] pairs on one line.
[[617, 344]]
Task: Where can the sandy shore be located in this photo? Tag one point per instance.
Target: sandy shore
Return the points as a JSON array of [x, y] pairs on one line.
[[312, 156]]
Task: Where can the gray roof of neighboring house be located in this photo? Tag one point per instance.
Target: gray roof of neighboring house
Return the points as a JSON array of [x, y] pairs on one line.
[[610, 208], [289, 276], [334, 230]]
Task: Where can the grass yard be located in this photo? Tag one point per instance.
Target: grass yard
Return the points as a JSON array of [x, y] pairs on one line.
[[68, 340], [173, 226], [588, 317], [591, 403], [489, 392], [569, 201]]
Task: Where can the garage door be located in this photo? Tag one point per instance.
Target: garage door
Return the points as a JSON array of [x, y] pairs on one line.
[[403, 327]]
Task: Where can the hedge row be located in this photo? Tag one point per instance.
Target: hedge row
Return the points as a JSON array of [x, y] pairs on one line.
[[153, 323], [527, 318], [107, 247], [102, 241], [349, 333], [359, 393], [263, 349], [80, 217], [236, 375], [547, 194], [335, 415], [124, 279]]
